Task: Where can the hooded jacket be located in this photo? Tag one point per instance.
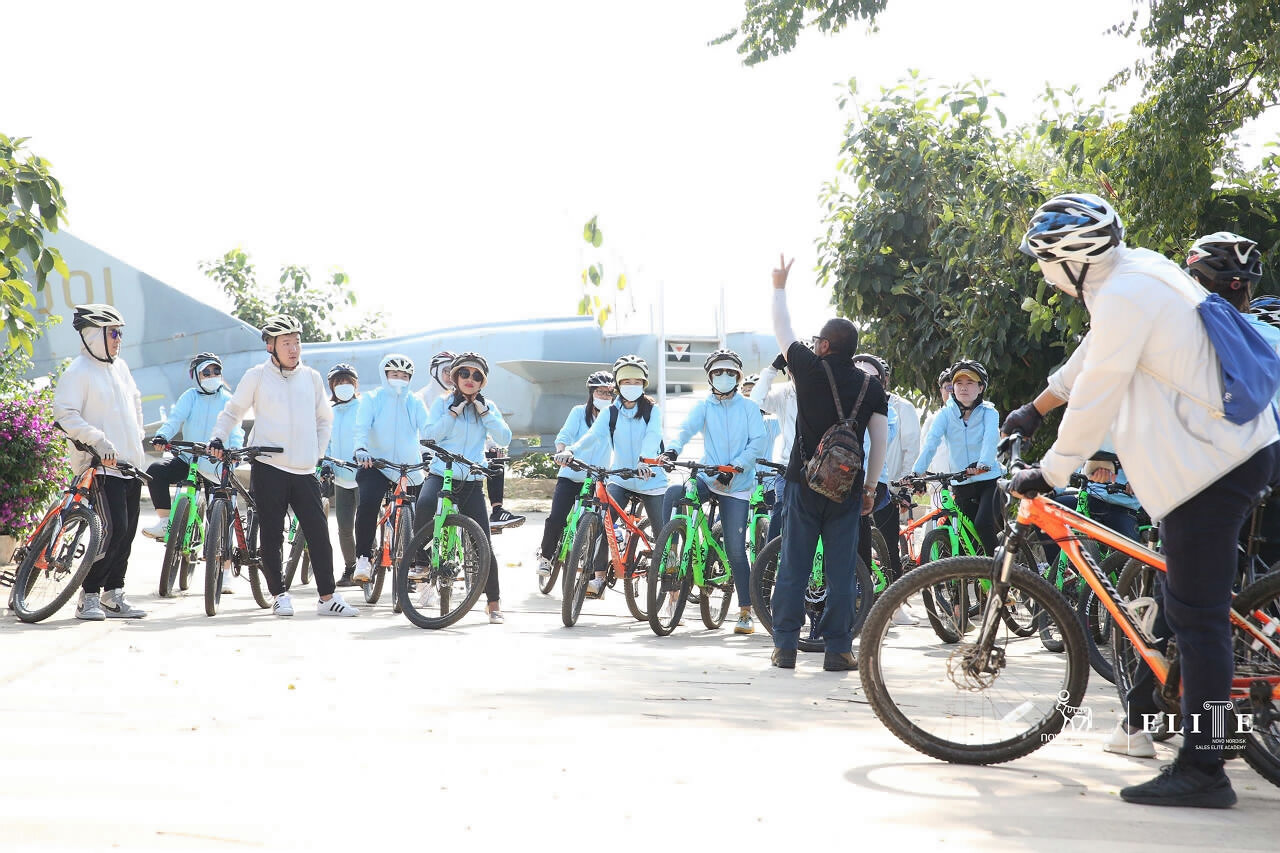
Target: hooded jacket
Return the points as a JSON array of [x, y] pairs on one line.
[[575, 427], [389, 426], [464, 434], [633, 440], [1147, 345], [291, 410], [732, 434], [342, 441], [98, 404], [195, 415], [968, 442], [780, 401]]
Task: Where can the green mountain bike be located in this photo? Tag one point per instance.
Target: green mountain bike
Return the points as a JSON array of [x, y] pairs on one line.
[[184, 537]]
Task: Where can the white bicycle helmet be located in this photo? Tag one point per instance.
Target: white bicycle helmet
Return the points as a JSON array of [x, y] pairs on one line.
[[96, 316], [630, 367], [1078, 227], [280, 324], [723, 359], [396, 361], [1225, 261]]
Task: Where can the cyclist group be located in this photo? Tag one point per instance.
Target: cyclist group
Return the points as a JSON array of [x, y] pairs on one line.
[[1134, 393]]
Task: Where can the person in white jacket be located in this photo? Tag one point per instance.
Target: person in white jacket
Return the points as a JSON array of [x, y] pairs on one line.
[[1147, 371], [291, 408], [98, 404]]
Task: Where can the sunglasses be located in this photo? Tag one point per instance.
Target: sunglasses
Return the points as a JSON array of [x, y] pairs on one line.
[[948, 387], [469, 373], [116, 334], [813, 342], [211, 371]]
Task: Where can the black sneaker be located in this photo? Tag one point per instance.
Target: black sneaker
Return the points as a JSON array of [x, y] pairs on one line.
[[346, 580], [1183, 785], [500, 519], [839, 662], [784, 658]]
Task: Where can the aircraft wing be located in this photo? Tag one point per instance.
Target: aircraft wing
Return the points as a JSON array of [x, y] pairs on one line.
[[549, 372]]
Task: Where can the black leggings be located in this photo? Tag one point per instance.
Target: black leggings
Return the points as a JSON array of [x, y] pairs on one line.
[[468, 499], [977, 501], [164, 475], [275, 492], [121, 497], [561, 503], [372, 485], [497, 486]]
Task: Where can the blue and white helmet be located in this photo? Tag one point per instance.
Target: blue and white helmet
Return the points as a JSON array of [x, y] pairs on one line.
[[1266, 309], [1078, 227]]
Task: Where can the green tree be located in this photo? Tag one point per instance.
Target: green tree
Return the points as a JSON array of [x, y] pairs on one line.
[[591, 305], [32, 201], [322, 309], [771, 27]]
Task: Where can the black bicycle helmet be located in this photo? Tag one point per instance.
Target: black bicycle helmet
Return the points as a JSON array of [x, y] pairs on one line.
[[600, 379], [199, 360], [1225, 261], [95, 316], [881, 366], [342, 369], [966, 365]]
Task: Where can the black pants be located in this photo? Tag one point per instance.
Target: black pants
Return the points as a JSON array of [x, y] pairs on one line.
[[561, 503], [977, 501], [468, 499], [121, 497], [887, 519], [373, 486], [163, 476], [1199, 540], [344, 506], [275, 492], [497, 486]]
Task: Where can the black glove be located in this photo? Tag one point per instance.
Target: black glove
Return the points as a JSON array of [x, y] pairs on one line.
[[216, 444], [919, 487], [326, 470], [1024, 420], [480, 405], [1029, 482], [779, 363], [669, 455], [159, 441], [724, 478]]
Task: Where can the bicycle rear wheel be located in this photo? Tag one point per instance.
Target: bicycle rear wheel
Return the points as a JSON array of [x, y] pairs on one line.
[[216, 553], [1259, 603], [55, 564], [1097, 620], [635, 582], [580, 568], [399, 547], [971, 710], [446, 592], [171, 566], [764, 574], [670, 579], [299, 558], [717, 594]]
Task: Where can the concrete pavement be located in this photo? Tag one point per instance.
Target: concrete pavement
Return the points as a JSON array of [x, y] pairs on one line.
[[183, 732]]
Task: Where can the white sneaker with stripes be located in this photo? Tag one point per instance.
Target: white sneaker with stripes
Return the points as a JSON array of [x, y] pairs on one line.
[[335, 607]]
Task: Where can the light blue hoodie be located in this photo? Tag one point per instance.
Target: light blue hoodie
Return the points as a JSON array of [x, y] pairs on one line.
[[1270, 334], [575, 427], [194, 415], [389, 425], [968, 442], [893, 433], [342, 441], [464, 435], [732, 434], [633, 440]]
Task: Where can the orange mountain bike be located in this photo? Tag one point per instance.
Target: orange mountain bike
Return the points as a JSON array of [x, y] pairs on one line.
[[997, 696], [53, 562]]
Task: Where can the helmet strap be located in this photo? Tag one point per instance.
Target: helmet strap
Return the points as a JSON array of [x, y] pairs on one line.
[[110, 358], [1078, 282]]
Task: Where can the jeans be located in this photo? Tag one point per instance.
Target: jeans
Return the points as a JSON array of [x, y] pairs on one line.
[[733, 530], [468, 499], [1199, 539], [1118, 518], [810, 516], [274, 493], [344, 506], [121, 497], [779, 504]]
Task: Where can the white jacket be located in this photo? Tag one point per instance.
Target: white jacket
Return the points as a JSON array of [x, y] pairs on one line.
[[99, 405], [905, 445], [781, 402], [1143, 318], [291, 410]]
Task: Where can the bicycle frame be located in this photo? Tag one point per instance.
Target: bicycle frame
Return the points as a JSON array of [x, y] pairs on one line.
[[190, 489], [963, 533], [611, 512], [80, 489], [1068, 528], [391, 515], [575, 515], [229, 489], [698, 535]]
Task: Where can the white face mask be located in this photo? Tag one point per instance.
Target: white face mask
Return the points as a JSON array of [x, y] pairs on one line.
[[344, 392], [600, 405], [631, 393], [210, 384], [1056, 275], [398, 385], [724, 383]]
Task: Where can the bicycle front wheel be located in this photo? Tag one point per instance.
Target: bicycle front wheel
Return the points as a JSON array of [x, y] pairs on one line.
[[581, 567], [717, 594], [174, 549], [216, 553], [399, 547], [670, 579], [55, 564], [635, 583], [442, 581], [973, 706]]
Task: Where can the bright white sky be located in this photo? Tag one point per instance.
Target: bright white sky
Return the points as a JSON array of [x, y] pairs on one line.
[[446, 155]]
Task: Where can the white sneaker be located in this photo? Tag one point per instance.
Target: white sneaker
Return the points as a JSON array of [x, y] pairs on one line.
[[157, 530], [89, 607], [544, 568], [902, 618], [430, 599], [364, 570], [1135, 745], [118, 607], [283, 605], [595, 588], [335, 607], [227, 589]]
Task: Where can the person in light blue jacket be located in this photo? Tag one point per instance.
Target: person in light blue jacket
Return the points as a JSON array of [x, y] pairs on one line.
[[600, 396], [732, 434], [970, 427], [344, 390], [389, 424], [459, 422], [193, 415], [630, 430]]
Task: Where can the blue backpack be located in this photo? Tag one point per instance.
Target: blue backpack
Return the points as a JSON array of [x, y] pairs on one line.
[[1250, 367]]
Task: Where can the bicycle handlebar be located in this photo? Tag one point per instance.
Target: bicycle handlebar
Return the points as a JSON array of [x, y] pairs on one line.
[[1080, 481], [403, 468], [96, 461], [929, 477], [341, 463], [453, 458], [599, 473], [765, 463], [695, 467]]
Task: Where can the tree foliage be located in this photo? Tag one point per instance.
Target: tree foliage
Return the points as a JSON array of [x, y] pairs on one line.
[[32, 204], [770, 27], [323, 309], [591, 305]]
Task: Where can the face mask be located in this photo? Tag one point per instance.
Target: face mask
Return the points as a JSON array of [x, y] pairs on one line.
[[1056, 275], [210, 384], [398, 385], [631, 393], [600, 405], [344, 392], [95, 342], [724, 383]]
